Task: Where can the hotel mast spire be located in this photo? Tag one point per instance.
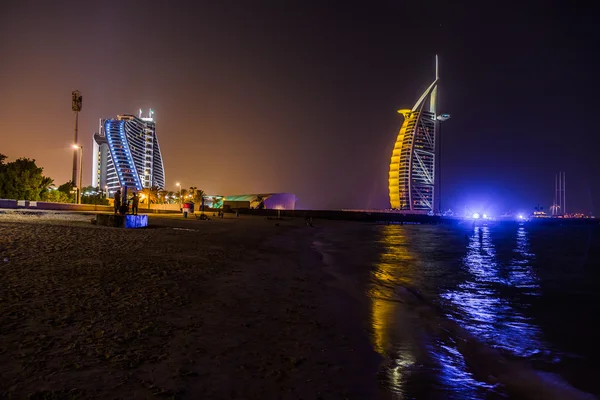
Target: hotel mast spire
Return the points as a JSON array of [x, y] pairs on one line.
[[433, 98]]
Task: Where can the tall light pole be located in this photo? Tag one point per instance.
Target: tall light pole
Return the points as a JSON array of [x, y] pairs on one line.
[[441, 118], [76, 106], [79, 183], [180, 200]]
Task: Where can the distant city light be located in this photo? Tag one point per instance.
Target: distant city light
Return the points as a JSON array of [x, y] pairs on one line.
[[520, 216], [476, 215], [485, 216]]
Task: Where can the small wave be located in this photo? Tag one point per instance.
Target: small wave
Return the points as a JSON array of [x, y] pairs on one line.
[[486, 363]]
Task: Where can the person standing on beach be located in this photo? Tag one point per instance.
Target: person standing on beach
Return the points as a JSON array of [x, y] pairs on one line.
[[117, 201], [134, 203]]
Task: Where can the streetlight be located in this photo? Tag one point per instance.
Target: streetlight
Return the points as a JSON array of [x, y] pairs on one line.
[[441, 118], [179, 184], [76, 106], [80, 147]]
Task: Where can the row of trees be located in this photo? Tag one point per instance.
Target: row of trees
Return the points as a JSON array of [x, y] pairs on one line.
[[154, 195], [65, 193], [22, 179]]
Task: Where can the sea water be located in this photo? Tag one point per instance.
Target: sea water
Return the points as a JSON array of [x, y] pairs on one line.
[[468, 310]]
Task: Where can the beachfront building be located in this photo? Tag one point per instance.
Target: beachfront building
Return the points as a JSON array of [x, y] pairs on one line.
[[412, 166], [268, 201], [127, 153]]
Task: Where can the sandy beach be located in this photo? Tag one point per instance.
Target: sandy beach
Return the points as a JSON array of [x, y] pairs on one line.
[[233, 308]]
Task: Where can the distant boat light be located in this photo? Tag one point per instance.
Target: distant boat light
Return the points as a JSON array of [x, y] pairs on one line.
[[476, 216]]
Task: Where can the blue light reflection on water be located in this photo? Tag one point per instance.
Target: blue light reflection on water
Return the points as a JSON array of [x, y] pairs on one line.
[[485, 303], [454, 374]]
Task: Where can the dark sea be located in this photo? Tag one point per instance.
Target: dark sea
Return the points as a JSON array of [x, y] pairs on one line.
[[465, 311]]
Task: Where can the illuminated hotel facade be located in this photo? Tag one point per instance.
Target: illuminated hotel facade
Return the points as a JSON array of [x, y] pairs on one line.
[[412, 167], [127, 153]]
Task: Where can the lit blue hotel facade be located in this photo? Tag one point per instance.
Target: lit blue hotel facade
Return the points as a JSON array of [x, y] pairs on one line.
[[127, 153]]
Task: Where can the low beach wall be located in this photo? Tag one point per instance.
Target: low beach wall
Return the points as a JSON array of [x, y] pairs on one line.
[[42, 205], [162, 207], [7, 203], [365, 216]]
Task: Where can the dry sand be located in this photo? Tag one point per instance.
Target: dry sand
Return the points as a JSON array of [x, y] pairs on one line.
[[233, 308]]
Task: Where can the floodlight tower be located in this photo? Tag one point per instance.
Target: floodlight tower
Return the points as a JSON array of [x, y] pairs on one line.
[[559, 207], [76, 106]]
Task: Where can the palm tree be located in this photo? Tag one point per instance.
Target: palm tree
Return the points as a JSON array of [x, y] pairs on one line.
[[198, 195], [154, 190], [144, 195], [44, 184], [150, 195], [192, 193], [170, 197], [162, 196], [183, 195]]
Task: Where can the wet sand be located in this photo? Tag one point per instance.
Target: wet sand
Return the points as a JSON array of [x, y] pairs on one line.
[[233, 308]]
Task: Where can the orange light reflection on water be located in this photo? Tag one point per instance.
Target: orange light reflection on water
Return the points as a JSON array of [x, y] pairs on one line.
[[393, 269]]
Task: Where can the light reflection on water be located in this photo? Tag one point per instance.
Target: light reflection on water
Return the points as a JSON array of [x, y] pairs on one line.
[[485, 302], [485, 299], [418, 366], [388, 338]]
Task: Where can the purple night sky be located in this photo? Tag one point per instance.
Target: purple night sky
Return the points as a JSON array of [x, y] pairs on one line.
[[301, 97]]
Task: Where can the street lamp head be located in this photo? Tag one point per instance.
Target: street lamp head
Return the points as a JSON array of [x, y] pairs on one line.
[[443, 117], [76, 101], [178, 184], [75, 146]]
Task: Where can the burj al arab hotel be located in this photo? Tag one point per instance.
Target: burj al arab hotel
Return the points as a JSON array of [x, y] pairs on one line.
[[412, 167]]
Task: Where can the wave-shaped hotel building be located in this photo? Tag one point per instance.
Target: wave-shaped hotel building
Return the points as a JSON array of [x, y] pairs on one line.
[[412, 166], [127, 154]]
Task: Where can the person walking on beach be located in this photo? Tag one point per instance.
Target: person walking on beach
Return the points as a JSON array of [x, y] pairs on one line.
[[134, 203], [117, 201]]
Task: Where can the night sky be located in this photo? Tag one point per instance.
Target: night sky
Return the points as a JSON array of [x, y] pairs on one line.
[[302, 96]]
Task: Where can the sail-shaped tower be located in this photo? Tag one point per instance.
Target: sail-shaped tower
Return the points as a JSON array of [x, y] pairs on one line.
[[412, 166]]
